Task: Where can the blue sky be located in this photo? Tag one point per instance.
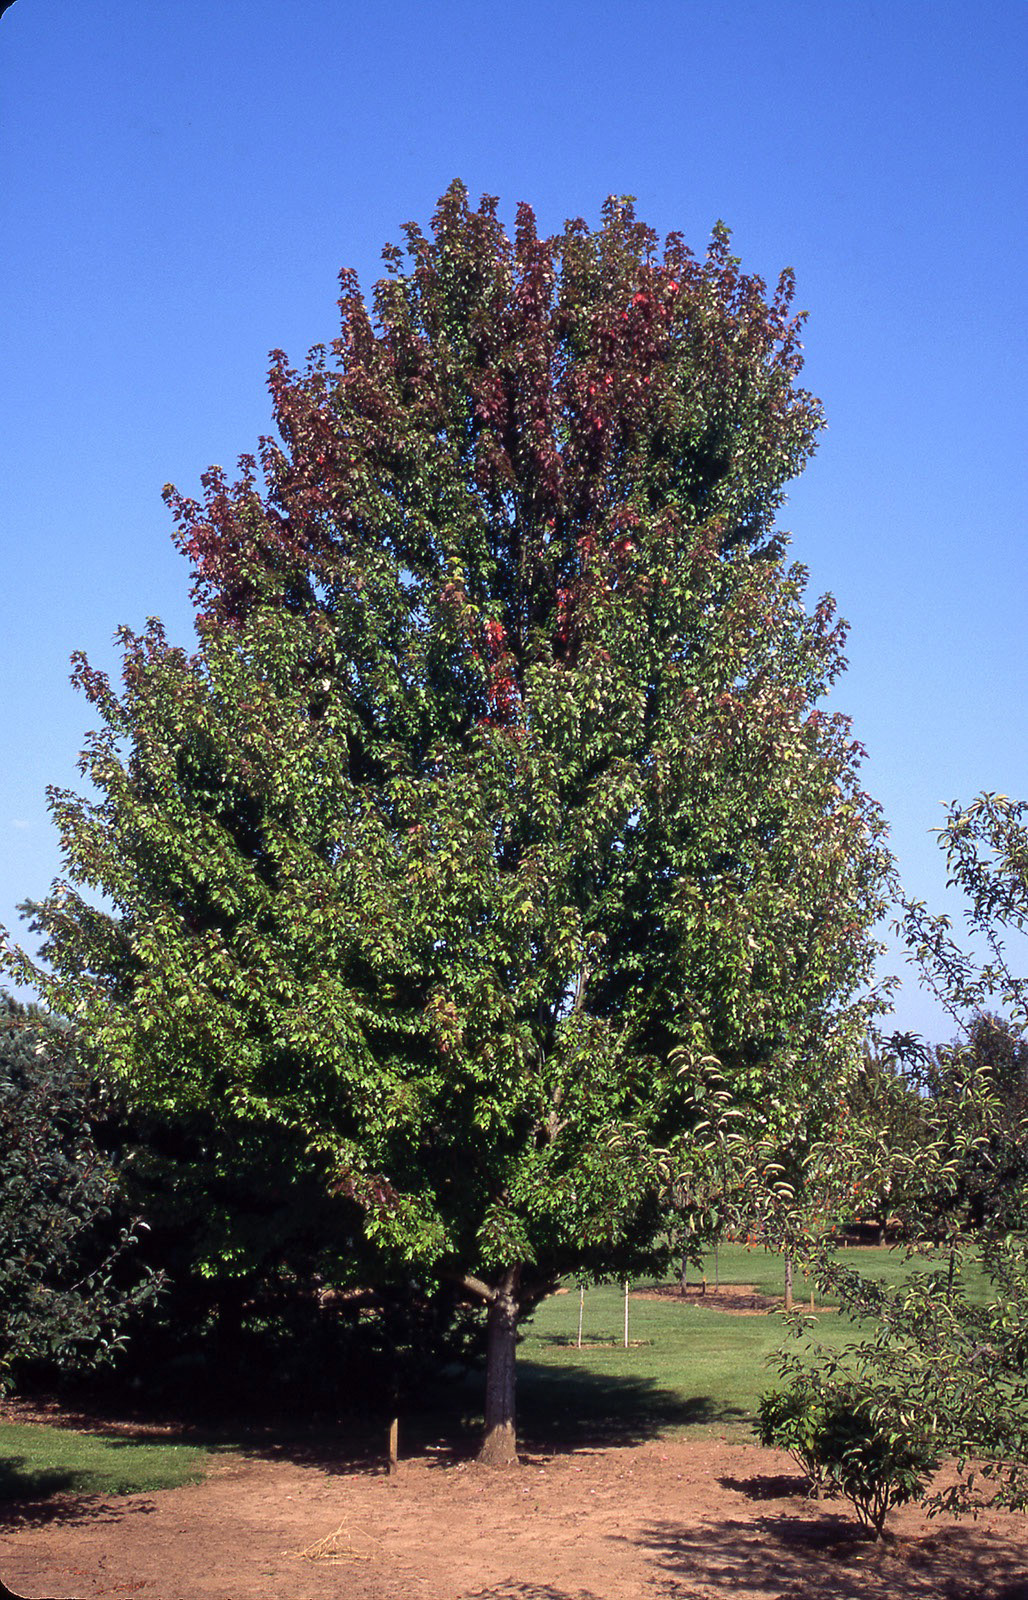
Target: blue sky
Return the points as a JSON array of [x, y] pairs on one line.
[[183, 182]]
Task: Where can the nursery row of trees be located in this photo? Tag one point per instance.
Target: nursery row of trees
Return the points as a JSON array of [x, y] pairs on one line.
[[490, 883]]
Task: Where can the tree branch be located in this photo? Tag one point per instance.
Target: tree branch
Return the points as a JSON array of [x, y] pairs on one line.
[[473, 1285]]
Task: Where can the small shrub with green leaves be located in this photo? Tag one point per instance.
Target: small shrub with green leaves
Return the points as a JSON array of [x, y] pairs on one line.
[[793, 1419], [863, 1444], [874, 1452]]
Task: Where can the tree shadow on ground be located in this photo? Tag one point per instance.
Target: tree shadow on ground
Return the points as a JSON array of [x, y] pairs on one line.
[[828, 1555], [567, 1408], [560, 1410], [21, 1480], [33, 1496], [769, 1485], [511, 1589], [266, 1431]]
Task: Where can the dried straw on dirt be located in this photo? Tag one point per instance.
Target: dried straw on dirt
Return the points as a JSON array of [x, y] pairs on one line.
[[696, 1520]]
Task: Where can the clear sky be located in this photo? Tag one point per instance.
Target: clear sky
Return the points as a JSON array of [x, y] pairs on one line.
[[182, 182]]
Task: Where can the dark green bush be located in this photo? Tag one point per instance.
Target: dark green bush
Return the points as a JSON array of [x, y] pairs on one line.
[[862, 1443], [875, 1452], [793, 1419], [70, 1275]]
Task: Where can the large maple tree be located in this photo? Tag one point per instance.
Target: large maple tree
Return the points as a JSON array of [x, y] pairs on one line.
[[497, 808]]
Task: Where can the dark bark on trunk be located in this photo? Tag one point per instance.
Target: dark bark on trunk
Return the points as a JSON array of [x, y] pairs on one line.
[[499, 1447]]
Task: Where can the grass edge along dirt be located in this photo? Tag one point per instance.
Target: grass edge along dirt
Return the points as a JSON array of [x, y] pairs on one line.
[[39, 1462], [688, 1370]]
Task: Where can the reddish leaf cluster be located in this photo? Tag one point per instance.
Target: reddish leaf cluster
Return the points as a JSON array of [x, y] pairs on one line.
[[523, 418]]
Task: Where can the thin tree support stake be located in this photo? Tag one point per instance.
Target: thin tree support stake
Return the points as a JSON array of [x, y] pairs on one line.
[[626, 1313], [788, 1283], [394, 1445], [581, 1311]]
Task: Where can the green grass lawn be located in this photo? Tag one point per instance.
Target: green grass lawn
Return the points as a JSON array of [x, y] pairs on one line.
[[37, 1462], [687, 1367], [765, 1269]]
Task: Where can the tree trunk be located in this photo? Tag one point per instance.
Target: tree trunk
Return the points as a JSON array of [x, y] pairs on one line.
[[499, 1447], [788, 1283]]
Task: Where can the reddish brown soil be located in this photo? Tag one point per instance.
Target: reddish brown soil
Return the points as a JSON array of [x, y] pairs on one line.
[[692, 1520], [744, 1299]]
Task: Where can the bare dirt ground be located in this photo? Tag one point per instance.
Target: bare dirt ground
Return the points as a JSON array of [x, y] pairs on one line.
[[688, 1519], [741, 1299]]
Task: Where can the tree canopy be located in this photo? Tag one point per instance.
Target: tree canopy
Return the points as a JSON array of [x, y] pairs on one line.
[[497, 805]]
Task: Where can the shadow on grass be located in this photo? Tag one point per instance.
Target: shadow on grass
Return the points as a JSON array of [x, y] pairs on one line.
[[560, 1410], [567, 1408], [33, 1496], [21, 1480]]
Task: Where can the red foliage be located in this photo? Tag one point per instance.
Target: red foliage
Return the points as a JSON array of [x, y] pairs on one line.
[[548, 408]]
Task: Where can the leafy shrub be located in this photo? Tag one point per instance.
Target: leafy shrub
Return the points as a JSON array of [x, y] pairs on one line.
[[864, 1444], [874, 1452], [793, 1419]]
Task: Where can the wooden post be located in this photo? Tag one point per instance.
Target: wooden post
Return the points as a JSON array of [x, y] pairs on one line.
[[788, 1283], [626, 1313], [581, 1311], [394, 1445]]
